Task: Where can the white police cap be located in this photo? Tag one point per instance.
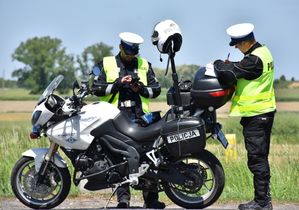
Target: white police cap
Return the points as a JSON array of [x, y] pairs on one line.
[[240, 32], [130, 38], [130, 42]]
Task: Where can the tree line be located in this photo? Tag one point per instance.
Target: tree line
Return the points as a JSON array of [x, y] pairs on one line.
[[43, 58]]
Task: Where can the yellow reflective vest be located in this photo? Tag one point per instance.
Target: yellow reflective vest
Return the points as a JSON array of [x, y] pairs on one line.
[[112, 73], [254, 97]]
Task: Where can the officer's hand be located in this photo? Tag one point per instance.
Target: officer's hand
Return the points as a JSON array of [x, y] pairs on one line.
[[126, 79], [136, 87], [226, 61]]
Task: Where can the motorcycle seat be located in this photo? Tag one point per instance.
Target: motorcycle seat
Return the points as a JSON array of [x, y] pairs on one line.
[[138, 133]]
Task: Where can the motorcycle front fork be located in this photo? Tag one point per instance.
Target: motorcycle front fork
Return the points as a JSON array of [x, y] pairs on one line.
[[48, 156]]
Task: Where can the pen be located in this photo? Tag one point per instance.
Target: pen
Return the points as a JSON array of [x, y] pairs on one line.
[[227, 61], [228, 56]]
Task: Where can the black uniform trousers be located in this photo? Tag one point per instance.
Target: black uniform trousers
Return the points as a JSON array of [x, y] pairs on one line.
[[257, 132], [123, 195], [123, 192]]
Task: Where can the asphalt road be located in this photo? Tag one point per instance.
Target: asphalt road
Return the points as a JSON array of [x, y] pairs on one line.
[[97, 204]]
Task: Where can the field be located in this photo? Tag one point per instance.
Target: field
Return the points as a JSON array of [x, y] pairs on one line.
[[283, 94], [284, 159]]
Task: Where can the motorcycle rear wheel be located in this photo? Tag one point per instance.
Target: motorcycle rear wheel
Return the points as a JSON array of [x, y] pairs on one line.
[[47, 195], [209, 190]]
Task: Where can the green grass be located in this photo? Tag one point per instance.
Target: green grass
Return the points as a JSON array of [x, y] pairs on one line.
[[284, 94], [17, 94], [287, 94], [14, 140], [284, 158], [284, 163], [285, 127]]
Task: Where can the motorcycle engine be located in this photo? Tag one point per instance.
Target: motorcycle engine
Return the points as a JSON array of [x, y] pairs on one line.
[[98, 166], [83, 162], [89, 166]]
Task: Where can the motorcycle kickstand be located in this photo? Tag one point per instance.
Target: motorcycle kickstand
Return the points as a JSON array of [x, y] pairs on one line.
[[113, 193]]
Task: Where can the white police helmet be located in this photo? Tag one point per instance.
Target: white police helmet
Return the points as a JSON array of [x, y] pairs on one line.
[[167, 34]]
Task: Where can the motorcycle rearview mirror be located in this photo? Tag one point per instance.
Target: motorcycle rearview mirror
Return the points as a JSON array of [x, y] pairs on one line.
[[96, 71]]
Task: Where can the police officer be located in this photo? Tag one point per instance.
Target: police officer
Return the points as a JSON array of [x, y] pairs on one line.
[[254, 101], [128, 81]]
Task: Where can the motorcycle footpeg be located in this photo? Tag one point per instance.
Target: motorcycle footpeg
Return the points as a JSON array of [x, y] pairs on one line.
[[134, 178]]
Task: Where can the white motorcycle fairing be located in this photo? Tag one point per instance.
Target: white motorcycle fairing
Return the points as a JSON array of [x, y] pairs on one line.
[[39, 153], [45, 116], [74, 132]]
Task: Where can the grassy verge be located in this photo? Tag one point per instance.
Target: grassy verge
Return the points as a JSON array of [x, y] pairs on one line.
[[284, 167], [14, 140], [283, 158], [17, 94], [287, 94], [281, 94], [285, 127]]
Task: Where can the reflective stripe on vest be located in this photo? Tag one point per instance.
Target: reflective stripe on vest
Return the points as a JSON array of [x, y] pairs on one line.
[[112, 73], [254, 97]]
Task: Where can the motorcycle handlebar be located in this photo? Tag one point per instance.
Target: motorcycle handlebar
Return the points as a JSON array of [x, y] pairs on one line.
[[76, 101]]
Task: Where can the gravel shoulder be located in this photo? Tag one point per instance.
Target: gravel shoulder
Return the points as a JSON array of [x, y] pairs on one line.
[[95, 203]]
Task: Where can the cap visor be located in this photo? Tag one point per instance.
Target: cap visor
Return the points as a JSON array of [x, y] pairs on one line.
[[131, 52], [232, 43]]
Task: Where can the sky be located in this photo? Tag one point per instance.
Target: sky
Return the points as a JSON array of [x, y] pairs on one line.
[[81, 23]]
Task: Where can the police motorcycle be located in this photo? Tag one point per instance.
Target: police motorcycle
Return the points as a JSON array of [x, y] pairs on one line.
[[107, 149]]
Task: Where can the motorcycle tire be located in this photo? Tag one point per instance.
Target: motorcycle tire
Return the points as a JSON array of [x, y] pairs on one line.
[[196, 200], [49, 194]]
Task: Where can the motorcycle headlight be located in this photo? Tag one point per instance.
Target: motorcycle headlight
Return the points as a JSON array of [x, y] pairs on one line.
[[35, 117]]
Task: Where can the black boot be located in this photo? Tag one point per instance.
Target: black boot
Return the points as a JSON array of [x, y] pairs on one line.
[[151, 200], [253, 205], [155, 204], [123, 205]]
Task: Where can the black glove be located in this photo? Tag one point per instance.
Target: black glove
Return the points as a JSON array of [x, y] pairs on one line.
[[137, 87], [217, 62], [224, 72]]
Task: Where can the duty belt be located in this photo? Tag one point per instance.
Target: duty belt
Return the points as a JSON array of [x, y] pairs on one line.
[[127, 103]]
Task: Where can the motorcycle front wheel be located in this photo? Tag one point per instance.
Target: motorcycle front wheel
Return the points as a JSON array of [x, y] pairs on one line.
[[46, 195], [207, 186]]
